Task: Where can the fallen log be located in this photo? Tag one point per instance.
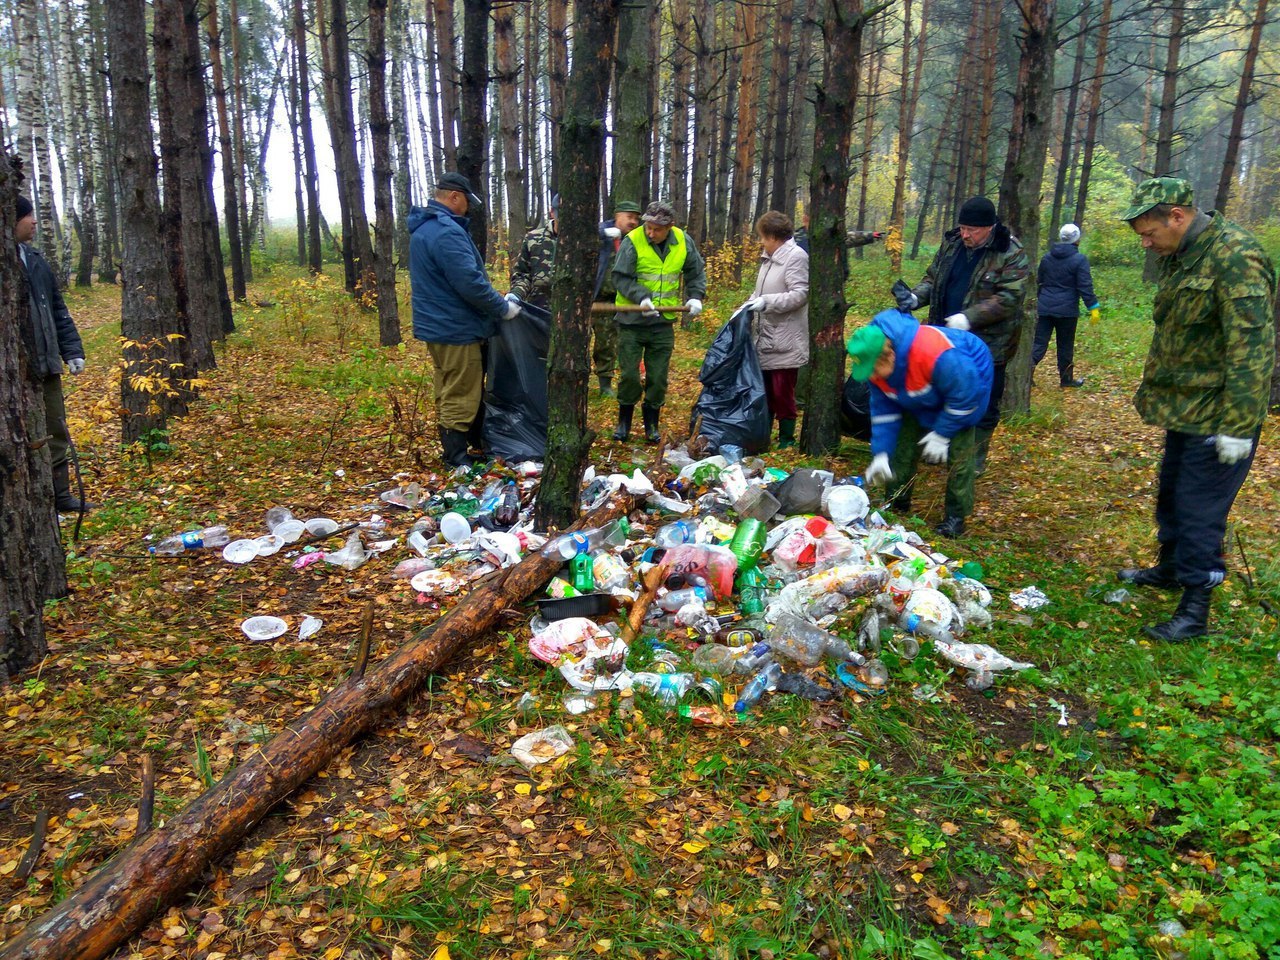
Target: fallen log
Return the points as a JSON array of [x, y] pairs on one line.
[[126, 892]]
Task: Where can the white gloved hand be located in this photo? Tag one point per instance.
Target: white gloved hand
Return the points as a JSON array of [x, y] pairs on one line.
[[512, 298], [513, 308], [756, 304], [1230, 449], [879, 471], [695, 307], [649, 310], [76, 366], [957, 321], [933, 448], [613, 233]]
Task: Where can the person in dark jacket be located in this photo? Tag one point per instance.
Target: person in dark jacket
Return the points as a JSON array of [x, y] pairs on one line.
[[604, 326], [455, 308], [56, 341], [1063, 280]]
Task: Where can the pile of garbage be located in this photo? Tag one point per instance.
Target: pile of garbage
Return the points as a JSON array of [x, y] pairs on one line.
[[732, 582]]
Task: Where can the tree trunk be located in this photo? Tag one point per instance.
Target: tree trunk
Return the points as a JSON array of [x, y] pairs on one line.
[[80, 129], [1067, 123], [1023, 180], [705, 80], [447, 68], [779, 120], [633, 117], [32, 565], [1168, 103], [557, 71], [990, 56], [944, 132], [1244, 96], [292, 113], [240, 145], [401, 63], [721, 186], [103, 151], [155, 381], [473, 139], [874, 64], [908, 97], [157, 868], [384, 262], [33, 132], [836, 101], [569, 436], [513, 173], [230, 197], [680, 63], [747, 38], [312, 177], [801, 109], [1094, 112]]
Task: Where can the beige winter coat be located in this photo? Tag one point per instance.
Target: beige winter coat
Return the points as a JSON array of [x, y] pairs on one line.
[[781, 331]]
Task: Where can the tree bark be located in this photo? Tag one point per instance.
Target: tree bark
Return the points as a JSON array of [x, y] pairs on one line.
[[384, 262], [447, 68], [1244, 96], [874, 64], [80, 123], [473, 140], [312, 177], [103, 151], [908, 97], [230, 198], [513, 172], [1168, 103], [557, 71], [148, 308], [240, 144], [779, 121], [32, 565], [292, 114], [33, 133], [1068, 122], [944, 132], [1094, 113], [705, 81], [1022, 183], [748, 40], [152, 872], [569, 436], [836, 101], [402, 62], [680, 63], [633, 118]]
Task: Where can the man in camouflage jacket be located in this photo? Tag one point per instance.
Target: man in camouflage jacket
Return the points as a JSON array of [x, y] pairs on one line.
[[977, 282], [1207, 381], [531, 273]]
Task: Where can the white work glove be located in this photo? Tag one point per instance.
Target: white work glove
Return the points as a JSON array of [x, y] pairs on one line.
[[513, 308], [933, 448], [695, 307], [512, 298], [879, 471], [613, 233], [957, 321], [649, 310], [76, 367], [756, 304], [1230, 449]]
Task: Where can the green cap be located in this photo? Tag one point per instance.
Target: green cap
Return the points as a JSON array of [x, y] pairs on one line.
[[865, 346], [626, 206], [1151, 193]]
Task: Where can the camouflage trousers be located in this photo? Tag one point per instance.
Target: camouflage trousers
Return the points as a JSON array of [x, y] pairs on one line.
[[961, 473]]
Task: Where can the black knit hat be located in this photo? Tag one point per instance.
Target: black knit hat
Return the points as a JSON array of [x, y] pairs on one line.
[[977, 212], [24, 209]]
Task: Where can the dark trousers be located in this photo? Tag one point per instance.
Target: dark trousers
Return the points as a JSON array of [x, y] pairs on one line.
[[992, 416], [961, 470], [1195, 495], [780, 393], [55, 418], [1065, 327]]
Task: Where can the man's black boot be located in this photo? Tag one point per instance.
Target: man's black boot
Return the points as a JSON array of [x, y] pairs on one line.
[[64, 501], [623, 430], [1161, 575], [651, 418], [1067, 378], [951, 527], [1191, 619], [453, 443]]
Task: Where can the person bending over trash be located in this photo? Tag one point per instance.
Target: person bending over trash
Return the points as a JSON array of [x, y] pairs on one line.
[[930, 388]]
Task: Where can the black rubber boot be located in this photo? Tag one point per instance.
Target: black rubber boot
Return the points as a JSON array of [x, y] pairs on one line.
[[951, 527], [651, 417], [625, 412], [1191, 619], [64, 501], [899, 503], [786, 434], [453, 443], [1161, 575], [1067, 378]]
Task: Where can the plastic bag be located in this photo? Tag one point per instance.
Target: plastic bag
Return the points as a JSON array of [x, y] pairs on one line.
[[572, 636], [802, 491], [352, 556], [732, 405], [515, 399], [855, 409], [818, 543], [542, 745]]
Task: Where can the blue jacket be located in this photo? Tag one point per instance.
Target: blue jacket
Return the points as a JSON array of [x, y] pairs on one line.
[[453, 300], [942, 377], [1064, 280]]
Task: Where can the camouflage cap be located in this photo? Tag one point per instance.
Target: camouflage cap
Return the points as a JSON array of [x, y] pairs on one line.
[[1151, 193], [660, 214], [864, 347], [626, 206]]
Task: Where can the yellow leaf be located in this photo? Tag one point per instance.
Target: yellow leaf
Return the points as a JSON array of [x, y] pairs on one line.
[[841, 811], [864, 765], [949, 828], [917, 876], [602, 946], [694, 846], [523, 789], [442, 952]]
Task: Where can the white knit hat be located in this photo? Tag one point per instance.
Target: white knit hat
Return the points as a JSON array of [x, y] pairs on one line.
[[1069, 233]]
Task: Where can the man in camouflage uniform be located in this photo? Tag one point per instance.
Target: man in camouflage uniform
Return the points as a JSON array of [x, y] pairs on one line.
[[1206, 382], [976, 282], [604, 327], [531, 273]]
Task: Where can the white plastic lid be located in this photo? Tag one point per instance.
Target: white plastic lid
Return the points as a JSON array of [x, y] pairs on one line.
[[263, 628], [846, 503], [240, 551], [268, 544], [454, 527]]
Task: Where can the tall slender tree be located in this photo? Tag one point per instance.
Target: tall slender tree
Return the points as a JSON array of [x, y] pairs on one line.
[[473, 131], [633, 117], [446, 63], [1244, 96], [384, 261], [230, 195], [507, 74], [311, 178], [1093, 112]]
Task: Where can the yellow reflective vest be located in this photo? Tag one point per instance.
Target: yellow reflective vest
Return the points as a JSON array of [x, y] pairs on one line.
[[661, 276]]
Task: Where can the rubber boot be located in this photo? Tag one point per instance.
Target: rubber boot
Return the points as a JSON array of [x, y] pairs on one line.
[[651, 417], [786, 434], [1067, 378], [453, 444], [981, 444], [64, 500], [606, 388], [625, 412], [1161, 575], [1191, 619], [951, 527]]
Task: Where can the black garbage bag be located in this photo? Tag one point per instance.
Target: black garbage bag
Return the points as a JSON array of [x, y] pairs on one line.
[[515, 393], [855, 409], [732, 404]]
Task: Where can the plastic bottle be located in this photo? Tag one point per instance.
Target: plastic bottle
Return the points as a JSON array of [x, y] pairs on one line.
[[507, 512], [613, 534], [673, 601], [669, 688], [192, 540], [747, 543], [765, 680], [583, 573], [925, 628], [797, 639], [674, 534]]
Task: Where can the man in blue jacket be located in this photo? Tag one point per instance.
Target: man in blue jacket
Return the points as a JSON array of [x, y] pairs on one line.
[[930, 388], [455, 308], [1064, 280]]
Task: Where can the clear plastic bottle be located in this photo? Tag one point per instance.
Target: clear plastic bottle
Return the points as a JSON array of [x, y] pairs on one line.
[[216, 536], [756, 687], [674, 534], [569, 545], [799, 640], [926, 628], [673, 601], [669, 688]]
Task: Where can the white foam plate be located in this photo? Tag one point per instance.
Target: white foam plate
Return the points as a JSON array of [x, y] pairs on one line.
[[263, 628]]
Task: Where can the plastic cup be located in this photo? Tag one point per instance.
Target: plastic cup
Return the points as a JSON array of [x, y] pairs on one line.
[[454, 527], [290, 530], [277, 516], [269, 544], [319, 526], [240, 551], [263, 628]]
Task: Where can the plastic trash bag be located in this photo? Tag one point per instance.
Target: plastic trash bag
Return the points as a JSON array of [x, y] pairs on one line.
[[855, 410], [515, 394], [732, 404]]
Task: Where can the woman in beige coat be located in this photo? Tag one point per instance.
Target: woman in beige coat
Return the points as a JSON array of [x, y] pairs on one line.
[[781, 323]]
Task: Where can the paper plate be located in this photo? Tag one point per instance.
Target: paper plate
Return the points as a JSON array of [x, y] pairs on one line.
[[240, 551], [263, 628], [269, 544]]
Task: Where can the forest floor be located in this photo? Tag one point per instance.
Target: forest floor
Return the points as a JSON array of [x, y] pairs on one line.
[[1067, 812]]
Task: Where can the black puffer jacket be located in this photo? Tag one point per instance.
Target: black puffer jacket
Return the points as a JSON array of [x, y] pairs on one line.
[[1064, 280], [56, 336]]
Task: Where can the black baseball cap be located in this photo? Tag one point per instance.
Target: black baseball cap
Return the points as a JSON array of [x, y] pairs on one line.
[[456, 181]]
